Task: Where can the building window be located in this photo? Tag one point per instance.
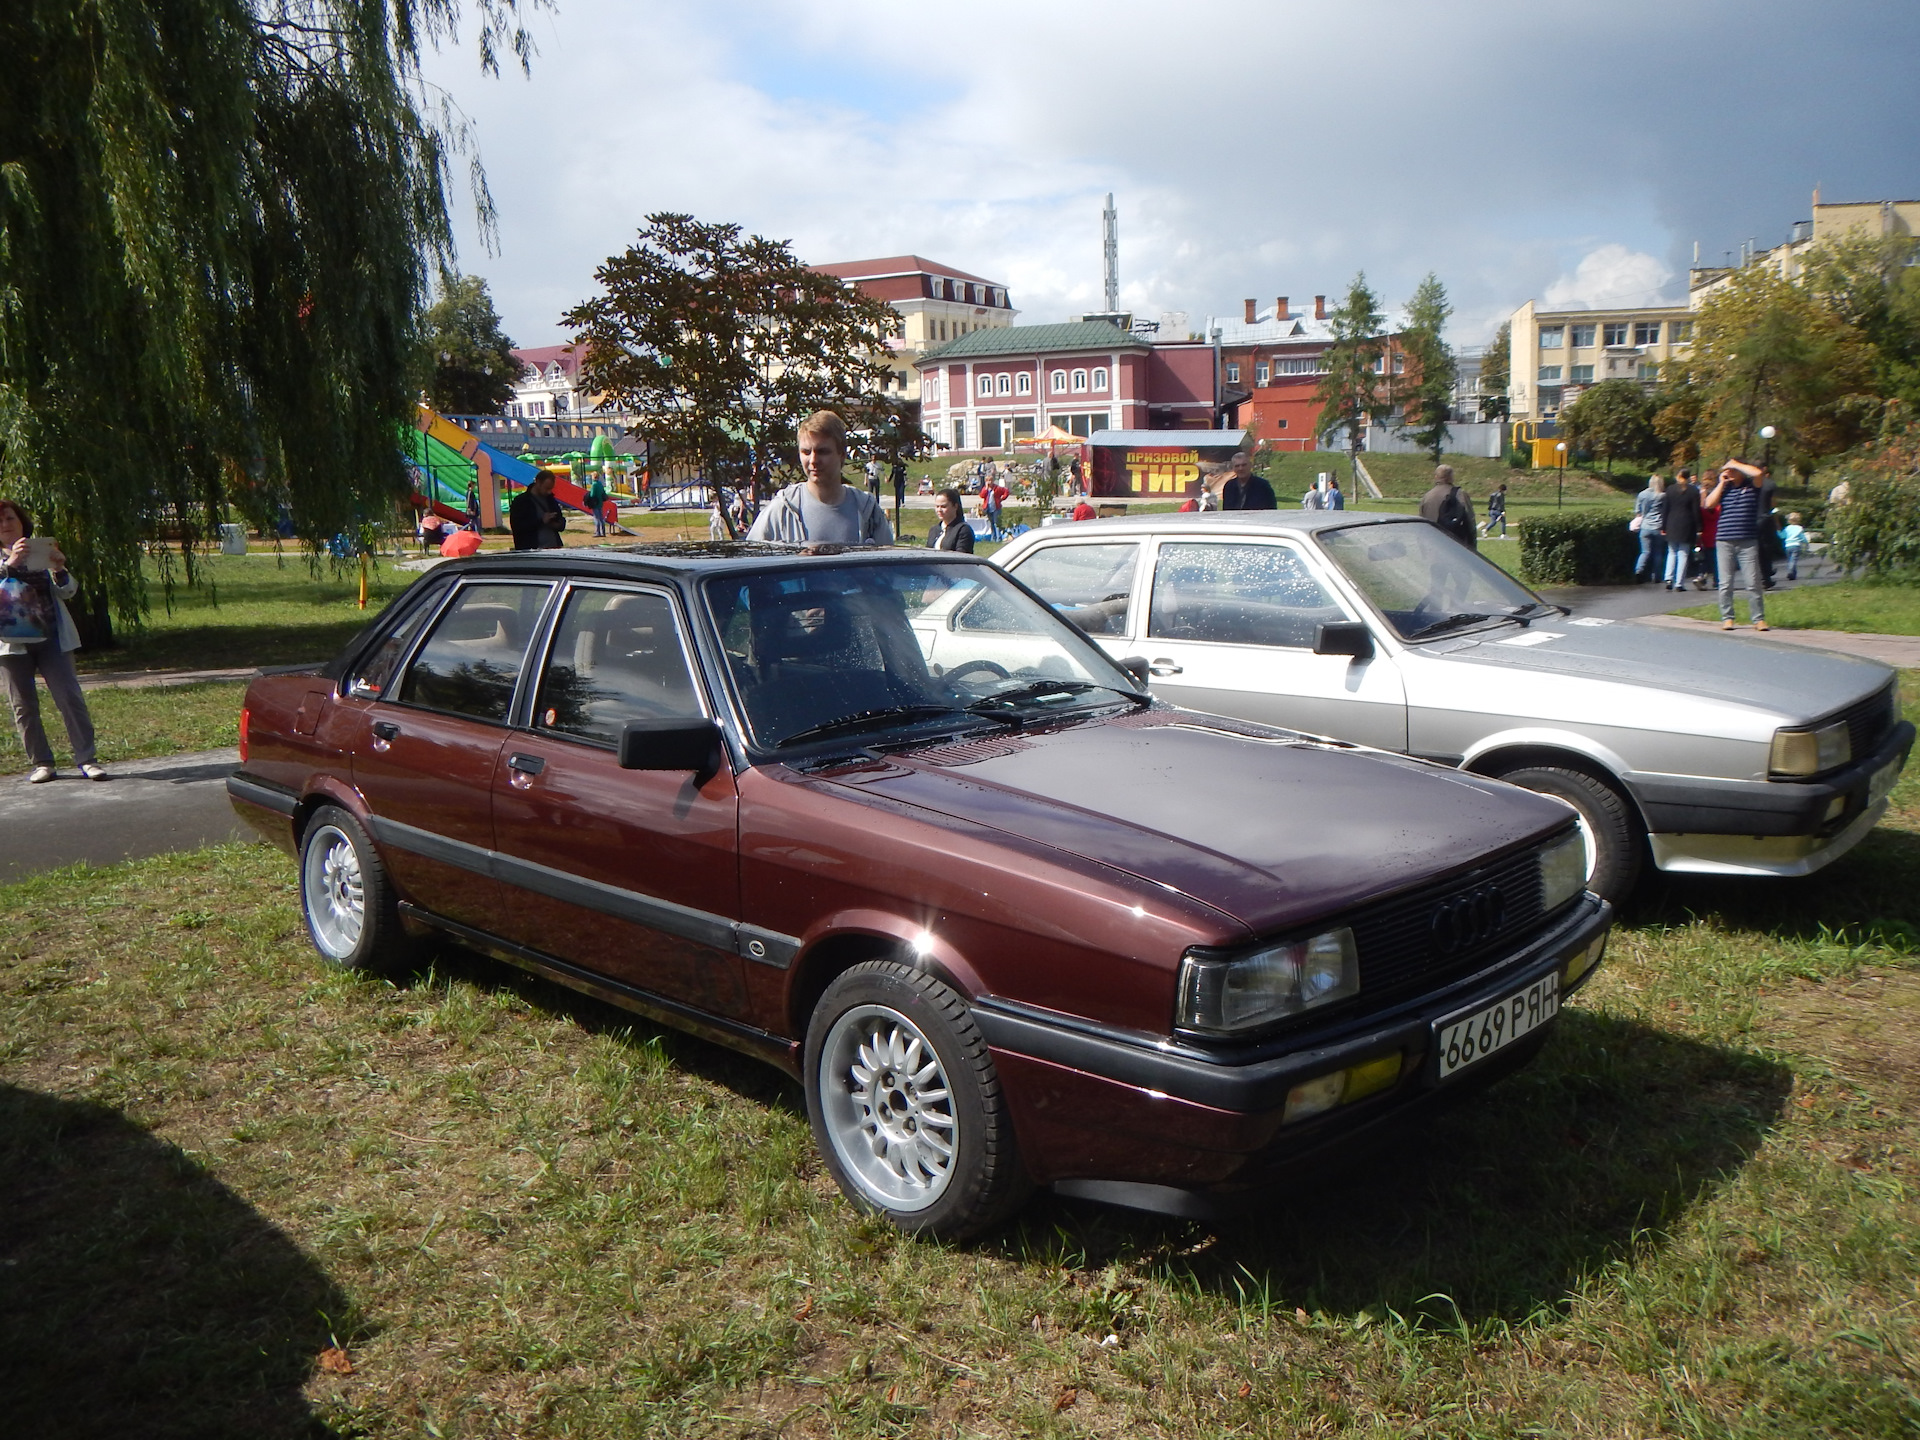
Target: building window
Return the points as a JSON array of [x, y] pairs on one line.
[[1649, 369], [990, 434], [1399, 364], [1680, 332], [1298, 367], [1003, 384], [1549, 398], [1233, 373], [1578, 374], [959, 434], [1079, 381], [1059, 382], [1582, 336], [1100, 378], [1646, 332], [1552, 337], [1549, 372], [1260, 373], [1022, 426], [1023, 384], [985, 384], [1379, 364], [1616, 332]]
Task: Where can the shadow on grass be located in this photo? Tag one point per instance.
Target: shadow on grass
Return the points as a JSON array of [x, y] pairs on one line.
[[142, 1297], [1503, 1204], [1868, 895], [223, 647]]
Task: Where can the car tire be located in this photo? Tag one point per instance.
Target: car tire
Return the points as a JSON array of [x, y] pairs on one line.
[[1615, 843], [923, 1137], [352, 914]]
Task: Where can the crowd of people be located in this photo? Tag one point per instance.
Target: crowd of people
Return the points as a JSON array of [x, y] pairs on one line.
[[1689, 531]]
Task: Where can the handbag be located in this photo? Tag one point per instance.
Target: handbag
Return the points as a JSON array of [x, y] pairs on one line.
[[26, 608], [1634, 523]]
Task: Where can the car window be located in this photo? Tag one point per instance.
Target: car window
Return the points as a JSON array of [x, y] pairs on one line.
[[616, 656], [1237, 594], [474, 655], [1420, 577], [373, 677], [1091, 585]]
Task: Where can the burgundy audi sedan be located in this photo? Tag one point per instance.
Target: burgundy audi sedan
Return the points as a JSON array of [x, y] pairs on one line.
[[883, 819]]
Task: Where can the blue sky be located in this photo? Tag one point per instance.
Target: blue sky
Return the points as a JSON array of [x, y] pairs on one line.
[[1255, 147]]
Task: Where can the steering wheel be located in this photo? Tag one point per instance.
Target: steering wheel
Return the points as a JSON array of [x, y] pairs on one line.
[[999, 672]]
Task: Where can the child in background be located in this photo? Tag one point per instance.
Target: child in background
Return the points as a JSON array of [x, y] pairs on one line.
[[1794, 538]]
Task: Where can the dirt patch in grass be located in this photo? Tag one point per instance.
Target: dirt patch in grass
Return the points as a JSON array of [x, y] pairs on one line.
[[1867, 1027]]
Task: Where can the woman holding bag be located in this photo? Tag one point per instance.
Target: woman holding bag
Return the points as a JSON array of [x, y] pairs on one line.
[[33, 586]]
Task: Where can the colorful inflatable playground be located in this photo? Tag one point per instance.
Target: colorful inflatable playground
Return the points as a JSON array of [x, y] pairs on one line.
[[449, 462]]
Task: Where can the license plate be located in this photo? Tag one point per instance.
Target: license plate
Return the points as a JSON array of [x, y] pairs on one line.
[[1473, 1038], [1884, 779]]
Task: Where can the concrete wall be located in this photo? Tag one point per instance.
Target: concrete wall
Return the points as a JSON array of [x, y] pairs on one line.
[[1483, 440]]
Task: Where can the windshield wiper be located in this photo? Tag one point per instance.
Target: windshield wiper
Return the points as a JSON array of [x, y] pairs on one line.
[[1046, 692], [1524, 613], [1454, 622], [870, 720]]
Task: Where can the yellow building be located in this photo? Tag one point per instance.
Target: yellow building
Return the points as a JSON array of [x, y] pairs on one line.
[[1558, 353], [1829, 222], [936, 303]]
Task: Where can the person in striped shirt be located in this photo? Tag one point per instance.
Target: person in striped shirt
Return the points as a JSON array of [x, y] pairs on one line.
[[1736, 499]]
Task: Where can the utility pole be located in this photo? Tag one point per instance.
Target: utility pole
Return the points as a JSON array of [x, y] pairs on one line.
[[1110, 235]]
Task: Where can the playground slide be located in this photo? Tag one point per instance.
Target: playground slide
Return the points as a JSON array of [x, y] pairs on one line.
[[446, 459]]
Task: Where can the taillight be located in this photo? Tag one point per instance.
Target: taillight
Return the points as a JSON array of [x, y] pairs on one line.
[[245, 716]]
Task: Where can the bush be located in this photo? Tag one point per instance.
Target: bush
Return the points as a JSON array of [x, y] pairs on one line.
[[1519, 458], [1877, 527], [1584, 547]]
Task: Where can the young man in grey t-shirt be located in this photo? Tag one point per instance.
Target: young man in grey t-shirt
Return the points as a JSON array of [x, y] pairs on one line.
[[823, 510]]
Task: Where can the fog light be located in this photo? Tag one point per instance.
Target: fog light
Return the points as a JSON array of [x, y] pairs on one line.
[[1583, 962], [1314, 1097], [1370, 1078], [1834, 808]]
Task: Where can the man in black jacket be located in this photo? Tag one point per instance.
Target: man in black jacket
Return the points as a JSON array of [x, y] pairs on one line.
[[1447, 506], [535, 517], [1245, 490]]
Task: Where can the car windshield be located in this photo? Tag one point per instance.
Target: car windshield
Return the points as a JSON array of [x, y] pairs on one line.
[[1423, 582], [868, 651]]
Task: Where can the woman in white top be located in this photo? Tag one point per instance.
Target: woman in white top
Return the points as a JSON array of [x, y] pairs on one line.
[[52, 656]]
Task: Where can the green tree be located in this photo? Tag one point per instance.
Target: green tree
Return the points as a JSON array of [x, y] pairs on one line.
[[1613, 419], [469, 356], [1427, 398], [1353, 390], [723, 345], [216, 221], [1496, 369]]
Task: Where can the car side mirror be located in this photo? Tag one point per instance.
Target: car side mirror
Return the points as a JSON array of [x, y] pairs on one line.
[[1136, 666], [1343, 637], [672, 745]]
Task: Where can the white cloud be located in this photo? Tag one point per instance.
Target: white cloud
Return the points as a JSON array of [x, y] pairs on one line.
[[1610, 276], [1254, 149]]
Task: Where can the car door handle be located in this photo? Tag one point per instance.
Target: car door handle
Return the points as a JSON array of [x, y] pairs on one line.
[[526, 764], [1163, 666], [385, 729]]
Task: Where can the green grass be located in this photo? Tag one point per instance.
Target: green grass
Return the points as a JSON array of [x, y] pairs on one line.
[[133, 724], [1862, 606], [250, 610], [518, 1213]]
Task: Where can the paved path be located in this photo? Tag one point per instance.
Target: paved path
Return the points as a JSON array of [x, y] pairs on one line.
[[144, 679], [149, 807], [1899, 650]]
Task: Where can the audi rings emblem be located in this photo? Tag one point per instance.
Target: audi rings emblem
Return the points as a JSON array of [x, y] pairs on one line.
[[1471, 918]]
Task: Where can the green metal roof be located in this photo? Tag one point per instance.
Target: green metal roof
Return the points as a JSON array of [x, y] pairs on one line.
[[1036, 340]]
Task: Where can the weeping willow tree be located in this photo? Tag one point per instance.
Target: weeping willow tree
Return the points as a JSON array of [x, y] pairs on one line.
[[217, 222]]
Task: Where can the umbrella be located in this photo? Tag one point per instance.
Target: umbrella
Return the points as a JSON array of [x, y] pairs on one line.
[[461, 542]]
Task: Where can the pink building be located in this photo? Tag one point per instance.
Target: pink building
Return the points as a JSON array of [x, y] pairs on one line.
[[987, 389]]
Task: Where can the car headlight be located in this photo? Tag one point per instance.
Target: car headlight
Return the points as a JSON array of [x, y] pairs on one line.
[[1563, 870], [1799, 753], [1227, 994]]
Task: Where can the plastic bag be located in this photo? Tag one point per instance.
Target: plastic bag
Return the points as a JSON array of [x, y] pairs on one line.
[[26, 607]]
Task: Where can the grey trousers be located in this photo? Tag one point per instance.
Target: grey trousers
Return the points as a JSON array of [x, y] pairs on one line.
[[1745, 555], [63, 682]]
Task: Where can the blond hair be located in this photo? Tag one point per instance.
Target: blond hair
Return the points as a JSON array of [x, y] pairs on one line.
[[825, 422]]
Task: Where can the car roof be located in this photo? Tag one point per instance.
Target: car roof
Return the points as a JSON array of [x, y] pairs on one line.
[[691, 559], [1293, 520]]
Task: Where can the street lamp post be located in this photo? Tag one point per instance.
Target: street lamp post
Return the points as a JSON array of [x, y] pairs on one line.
[[1560, 498], [1767, 432]]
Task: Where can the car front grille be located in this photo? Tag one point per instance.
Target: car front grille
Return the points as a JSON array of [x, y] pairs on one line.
[[1868, 722], [1425, 938]]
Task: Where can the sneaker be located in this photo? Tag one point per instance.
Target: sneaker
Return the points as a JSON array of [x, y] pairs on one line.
[[41, 774], [93, 772], [1761, 625]]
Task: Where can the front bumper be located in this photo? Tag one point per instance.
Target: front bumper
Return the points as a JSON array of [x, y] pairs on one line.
[[1159, 1124], [1768, 827]]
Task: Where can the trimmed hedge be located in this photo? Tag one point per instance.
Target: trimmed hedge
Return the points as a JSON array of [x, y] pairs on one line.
[[1583, 547]]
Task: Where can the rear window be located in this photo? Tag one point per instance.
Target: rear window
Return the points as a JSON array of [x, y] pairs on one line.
[[473, 658]]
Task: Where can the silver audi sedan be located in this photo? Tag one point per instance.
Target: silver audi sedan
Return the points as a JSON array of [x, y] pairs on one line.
[[1705, 753]]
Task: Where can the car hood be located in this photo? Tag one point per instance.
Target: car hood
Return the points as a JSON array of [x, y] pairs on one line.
[[1271, 828], [1788, 680]]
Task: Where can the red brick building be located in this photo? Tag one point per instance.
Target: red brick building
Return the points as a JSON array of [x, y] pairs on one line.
[[1274, 356]]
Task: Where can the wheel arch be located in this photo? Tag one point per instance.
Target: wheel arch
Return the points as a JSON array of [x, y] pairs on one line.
[[852, 941], [1499, 755]]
